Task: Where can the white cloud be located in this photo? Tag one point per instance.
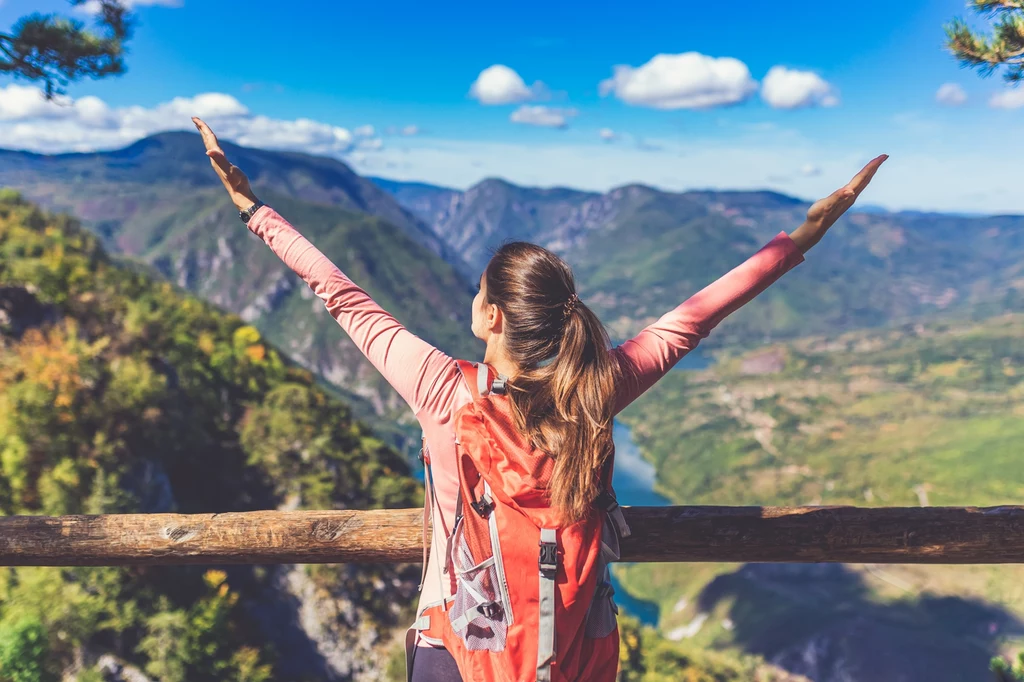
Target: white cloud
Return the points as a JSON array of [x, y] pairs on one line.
[[951, 94], [301, 134], [410, 130], [498, 84], [810, 170], [1008, 99], [364, 131], [88, 123], [681, 81], [791, 89], [607, 134], [539, 115]]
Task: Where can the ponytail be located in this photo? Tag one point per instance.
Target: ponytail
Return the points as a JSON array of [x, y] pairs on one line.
[[563, 396]]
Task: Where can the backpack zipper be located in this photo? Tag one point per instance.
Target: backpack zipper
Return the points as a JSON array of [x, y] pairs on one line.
[[499, 564]]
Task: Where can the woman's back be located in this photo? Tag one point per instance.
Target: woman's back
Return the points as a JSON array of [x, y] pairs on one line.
[[430, 382]]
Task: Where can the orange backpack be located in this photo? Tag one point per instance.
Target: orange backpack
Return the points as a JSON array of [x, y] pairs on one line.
[[532, 599]]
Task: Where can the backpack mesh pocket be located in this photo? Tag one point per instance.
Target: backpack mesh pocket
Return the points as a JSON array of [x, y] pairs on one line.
[[478, 615]]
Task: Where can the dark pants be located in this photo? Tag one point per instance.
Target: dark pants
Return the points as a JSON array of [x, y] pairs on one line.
[[430, 664]]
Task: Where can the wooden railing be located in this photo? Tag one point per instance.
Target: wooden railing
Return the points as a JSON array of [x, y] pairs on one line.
[[950, 535]]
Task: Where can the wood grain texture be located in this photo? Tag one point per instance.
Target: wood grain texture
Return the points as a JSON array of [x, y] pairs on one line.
[[951, 535]]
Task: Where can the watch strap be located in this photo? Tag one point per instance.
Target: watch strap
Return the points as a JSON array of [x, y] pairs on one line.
[[247, 214]]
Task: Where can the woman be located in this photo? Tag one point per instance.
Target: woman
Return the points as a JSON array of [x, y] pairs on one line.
[[564, 382]]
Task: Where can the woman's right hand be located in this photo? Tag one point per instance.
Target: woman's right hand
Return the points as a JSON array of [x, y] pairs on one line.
[[235, 181], [825, 212]]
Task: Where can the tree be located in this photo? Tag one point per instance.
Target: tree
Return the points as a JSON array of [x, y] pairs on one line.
[[1006, 671], [56, 50], [1005, 47]]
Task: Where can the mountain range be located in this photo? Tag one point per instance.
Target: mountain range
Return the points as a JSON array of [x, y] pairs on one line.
[[638, 252]]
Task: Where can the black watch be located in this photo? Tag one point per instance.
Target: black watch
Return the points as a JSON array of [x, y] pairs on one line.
[[246, 215]]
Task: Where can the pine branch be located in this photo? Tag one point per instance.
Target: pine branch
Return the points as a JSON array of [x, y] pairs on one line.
[[1005, 48], [56, 50], [997, 6]]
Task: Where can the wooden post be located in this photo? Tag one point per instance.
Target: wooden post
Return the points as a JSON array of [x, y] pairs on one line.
[[951, 535]]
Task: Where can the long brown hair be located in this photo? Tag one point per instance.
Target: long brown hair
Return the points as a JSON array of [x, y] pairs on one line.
[[563, 396]]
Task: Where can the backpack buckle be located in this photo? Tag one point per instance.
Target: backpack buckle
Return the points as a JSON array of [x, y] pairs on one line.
[[498, 385], [491, 610], [548, 560], [484, 506]]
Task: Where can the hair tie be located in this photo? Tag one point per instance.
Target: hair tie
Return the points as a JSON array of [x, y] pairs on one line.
[[570, 305]]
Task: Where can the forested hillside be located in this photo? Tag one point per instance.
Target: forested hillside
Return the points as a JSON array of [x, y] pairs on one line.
[[159, 201], [119, 394]]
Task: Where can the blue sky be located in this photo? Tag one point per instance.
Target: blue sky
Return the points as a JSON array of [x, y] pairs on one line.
[[850, 81]]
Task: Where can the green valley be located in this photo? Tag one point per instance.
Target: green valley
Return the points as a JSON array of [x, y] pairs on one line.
[[924, 414]]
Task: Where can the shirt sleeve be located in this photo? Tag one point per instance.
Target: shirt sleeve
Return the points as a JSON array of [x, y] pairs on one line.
[[654, 351], [419, 372]]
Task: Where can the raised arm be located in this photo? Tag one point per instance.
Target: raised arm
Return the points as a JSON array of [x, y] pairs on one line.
[[654, 351], [422, 374], [412, 366]]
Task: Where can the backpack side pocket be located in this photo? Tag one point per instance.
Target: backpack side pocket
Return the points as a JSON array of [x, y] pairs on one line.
[[479, 613]]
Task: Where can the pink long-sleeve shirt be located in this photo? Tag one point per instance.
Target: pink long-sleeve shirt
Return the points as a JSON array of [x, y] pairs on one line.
[[430, 382]]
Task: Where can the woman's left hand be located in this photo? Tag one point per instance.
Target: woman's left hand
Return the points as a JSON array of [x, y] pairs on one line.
[[825, 212], [235, 181]]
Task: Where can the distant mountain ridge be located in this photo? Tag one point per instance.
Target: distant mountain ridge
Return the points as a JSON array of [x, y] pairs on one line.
[[638, 252], [177, 158]]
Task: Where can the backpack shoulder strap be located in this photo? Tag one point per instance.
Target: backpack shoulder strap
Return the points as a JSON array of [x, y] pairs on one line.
[[481, 378], [606, 497]]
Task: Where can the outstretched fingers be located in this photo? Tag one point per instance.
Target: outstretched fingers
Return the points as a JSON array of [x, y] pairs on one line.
[[231, 176], [209, 139]]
